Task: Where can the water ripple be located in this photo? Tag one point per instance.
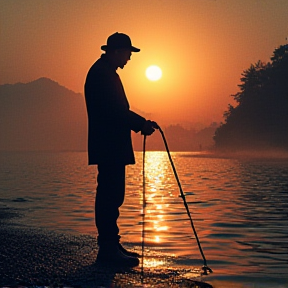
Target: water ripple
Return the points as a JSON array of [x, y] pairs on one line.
[[239, 207]]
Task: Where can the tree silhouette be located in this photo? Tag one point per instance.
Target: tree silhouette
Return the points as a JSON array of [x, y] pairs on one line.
[[260, 119]]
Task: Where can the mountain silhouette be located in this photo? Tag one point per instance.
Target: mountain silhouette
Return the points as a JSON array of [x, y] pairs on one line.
[[44, 116], [41, 115]]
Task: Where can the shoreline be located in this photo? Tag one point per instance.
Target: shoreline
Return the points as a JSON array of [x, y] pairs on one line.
[[34, 257]]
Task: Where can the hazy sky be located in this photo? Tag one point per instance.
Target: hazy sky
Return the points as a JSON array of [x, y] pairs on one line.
[[202, 47]]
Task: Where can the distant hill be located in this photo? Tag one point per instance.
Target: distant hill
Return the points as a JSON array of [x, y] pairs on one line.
[[44, 116], [41, 115], [179, 139]]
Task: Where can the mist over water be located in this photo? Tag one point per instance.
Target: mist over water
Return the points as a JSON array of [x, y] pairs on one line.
[[260, 154], [239, 207]]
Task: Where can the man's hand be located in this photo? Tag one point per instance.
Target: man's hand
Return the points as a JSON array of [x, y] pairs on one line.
[[149, 128]]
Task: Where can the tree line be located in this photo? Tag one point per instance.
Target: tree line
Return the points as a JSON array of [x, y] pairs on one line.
[[259, 120]]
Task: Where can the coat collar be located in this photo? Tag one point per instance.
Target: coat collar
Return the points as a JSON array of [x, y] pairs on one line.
[[108, 63]]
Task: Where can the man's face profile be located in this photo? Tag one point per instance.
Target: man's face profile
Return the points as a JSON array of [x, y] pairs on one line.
[[123, 55]]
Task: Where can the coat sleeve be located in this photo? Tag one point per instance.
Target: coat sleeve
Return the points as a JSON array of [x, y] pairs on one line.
[[136, 121]]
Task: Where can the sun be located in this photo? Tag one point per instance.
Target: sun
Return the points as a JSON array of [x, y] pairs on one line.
[[153, 73]]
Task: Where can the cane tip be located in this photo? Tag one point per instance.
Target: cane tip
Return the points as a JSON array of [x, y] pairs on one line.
[[206, 270]]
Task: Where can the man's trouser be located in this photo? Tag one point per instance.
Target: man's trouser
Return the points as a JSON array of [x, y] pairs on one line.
[[109, 197]]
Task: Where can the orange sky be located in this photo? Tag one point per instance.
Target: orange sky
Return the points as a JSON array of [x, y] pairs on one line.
[[202, 46]]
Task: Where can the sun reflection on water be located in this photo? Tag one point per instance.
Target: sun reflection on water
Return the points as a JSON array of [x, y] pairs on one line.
[[157, 170], [154, 262]]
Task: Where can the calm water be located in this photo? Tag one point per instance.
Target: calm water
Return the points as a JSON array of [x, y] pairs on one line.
[[239, 208]]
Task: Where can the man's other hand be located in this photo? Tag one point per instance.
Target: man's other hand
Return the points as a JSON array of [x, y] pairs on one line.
[[149, 127]]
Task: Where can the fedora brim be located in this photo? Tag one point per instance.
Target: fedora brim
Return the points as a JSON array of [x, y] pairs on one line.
[[132, 48]]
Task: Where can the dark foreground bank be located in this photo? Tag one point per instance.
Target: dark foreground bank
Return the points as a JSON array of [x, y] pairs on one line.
[[36, 257]]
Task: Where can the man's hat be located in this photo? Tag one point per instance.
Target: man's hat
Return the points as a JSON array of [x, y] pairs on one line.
[[118, 41]]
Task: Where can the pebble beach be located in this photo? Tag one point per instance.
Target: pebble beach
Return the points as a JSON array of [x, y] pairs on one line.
[[35, 257]]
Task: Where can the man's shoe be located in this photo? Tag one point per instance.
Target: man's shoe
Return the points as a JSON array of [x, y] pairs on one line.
[[128, 253], [113, 257]]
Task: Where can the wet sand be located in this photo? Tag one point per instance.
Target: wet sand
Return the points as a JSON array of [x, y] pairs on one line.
[[38, 257]]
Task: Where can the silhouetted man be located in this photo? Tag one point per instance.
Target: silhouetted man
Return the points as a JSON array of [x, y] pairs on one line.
[[109, 144]]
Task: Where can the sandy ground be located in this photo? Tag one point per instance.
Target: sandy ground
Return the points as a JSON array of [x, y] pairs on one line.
[[32, 257]]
